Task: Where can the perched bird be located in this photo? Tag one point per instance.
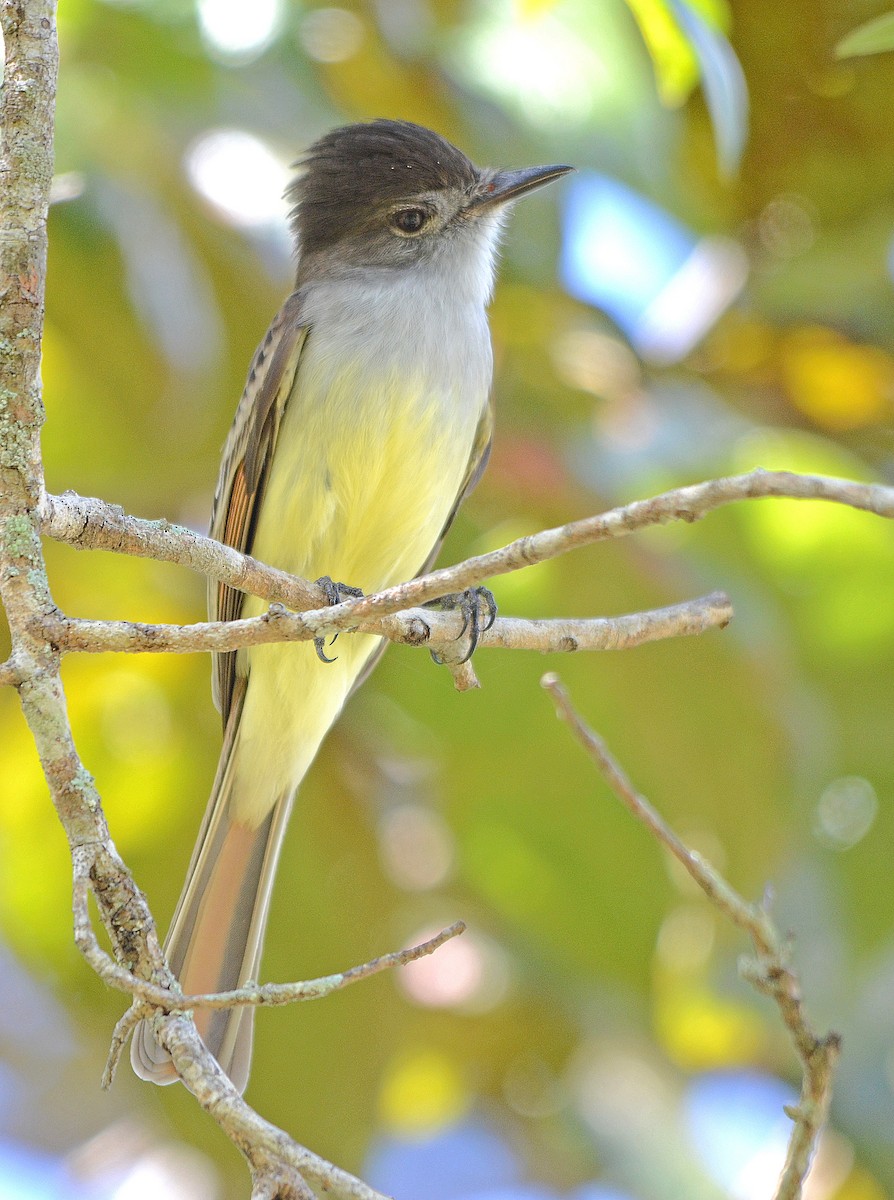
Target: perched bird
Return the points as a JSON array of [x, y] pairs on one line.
[[364, 423]]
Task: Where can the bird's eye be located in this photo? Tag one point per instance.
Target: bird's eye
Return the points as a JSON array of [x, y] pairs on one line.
[[409, 220]]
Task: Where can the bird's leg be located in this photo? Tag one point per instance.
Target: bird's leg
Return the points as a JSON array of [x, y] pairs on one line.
[[335, 593], [479, 610]]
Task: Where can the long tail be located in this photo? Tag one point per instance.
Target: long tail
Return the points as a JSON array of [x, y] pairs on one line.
[[218, 929]]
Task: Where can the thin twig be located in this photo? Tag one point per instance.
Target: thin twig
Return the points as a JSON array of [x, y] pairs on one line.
[[124, 1027], [465, 677], [252, 995], [417, 627], [267, 995], [568, 635], [90, 523], [771, 971], [273, 995], [11, 673]]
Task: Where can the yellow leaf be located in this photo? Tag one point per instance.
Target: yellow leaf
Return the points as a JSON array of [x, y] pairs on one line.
[[701, 1031], [421, 1093], [839, 384], [676, 66]]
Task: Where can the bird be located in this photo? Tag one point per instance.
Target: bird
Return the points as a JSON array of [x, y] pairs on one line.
[[365, 421]]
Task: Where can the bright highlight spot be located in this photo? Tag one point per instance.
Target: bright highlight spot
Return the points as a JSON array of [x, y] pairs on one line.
[[617, 1090], [837, 383], [625, 255], [549, 66], [422, 1093], [125, 1162], [686, 939], [331, 35], [238, 31], [457, 1162], [846, 812], [597, 362], [172, 1175], [467, 972], [240, 176], [740, 1130], [701, 1030], [416, 847], [787, 227], [544, 65], [691, 301]]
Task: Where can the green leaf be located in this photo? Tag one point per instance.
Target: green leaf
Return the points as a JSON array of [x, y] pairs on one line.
[[673, 58], [723, 82], [686, 43], [875, 37]]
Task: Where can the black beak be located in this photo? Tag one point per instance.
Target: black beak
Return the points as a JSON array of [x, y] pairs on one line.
[[510, 185]]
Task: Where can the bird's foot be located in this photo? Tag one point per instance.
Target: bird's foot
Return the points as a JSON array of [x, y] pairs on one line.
[[479, 611], [335, 593]]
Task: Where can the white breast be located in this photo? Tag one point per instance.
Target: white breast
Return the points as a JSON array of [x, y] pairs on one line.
[[377, 435]]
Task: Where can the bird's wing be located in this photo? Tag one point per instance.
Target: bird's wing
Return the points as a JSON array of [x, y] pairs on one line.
[[244, 468], [484, 436]]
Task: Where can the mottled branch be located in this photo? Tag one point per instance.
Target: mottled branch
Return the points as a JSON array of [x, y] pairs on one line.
[[130, 535], [417, 627], [90, 524]]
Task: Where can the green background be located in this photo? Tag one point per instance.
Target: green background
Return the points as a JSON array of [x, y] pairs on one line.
[[606, 984]]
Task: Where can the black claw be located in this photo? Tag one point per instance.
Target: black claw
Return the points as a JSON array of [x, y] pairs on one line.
[[335, 593], [319, 643], [470, 603], [487, 596]]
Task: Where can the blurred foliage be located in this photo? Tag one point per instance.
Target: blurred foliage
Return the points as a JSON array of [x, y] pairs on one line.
[[768, 745], [875, 37]]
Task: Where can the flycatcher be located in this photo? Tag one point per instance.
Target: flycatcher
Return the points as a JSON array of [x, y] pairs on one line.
[[364, 423]]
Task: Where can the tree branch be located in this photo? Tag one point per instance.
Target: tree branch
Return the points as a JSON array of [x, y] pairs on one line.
[[149, 997], [416, 627], [90, 523], [279, 1166], [252, 995], [770, 972]]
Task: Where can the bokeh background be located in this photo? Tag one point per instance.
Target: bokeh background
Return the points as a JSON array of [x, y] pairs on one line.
[[712, 291]]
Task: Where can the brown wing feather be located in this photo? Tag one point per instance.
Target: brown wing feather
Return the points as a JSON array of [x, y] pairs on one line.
[[229, 600], [243, 471]]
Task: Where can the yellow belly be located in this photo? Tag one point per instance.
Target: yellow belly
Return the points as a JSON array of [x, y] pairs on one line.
[[361, 484]]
